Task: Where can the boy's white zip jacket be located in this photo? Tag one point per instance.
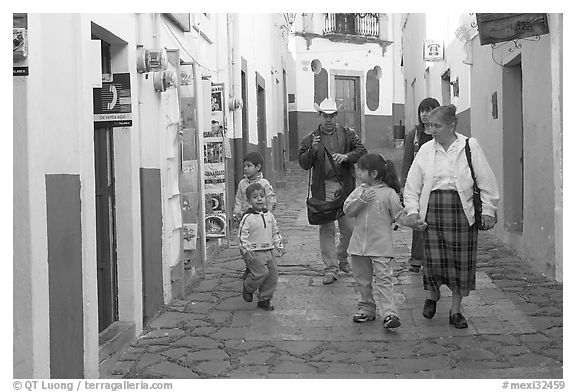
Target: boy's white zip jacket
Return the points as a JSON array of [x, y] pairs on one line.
[[258, 231], [373, 220], [421, 176], [241, 205]]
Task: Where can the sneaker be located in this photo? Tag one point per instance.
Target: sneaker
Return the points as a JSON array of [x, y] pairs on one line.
[[344, 266], [246, 273], [329, 279], [265, 304], [362, 318], [248, 296], [391, 321]]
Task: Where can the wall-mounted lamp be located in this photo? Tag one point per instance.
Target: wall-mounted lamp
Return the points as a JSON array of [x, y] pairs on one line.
[[235, 103], [164, 79], [151, 60]]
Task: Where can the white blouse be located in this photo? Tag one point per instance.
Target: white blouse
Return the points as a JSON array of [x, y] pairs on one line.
[[444, 173], [424, 174]]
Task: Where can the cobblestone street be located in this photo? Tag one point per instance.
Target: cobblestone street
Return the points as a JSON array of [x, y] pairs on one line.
[[515, 320]]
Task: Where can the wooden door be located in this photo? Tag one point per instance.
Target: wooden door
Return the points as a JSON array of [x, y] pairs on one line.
[[348, 95]]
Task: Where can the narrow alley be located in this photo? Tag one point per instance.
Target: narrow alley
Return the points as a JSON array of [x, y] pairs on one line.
[[515, 319]]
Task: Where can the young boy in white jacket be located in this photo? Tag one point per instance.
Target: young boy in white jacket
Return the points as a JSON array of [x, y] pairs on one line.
[[253, 163], [258, 236]]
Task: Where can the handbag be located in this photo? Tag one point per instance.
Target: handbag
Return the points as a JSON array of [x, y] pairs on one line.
[[476, 200], [322, 211]]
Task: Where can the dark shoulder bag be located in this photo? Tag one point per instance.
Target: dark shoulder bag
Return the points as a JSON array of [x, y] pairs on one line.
[[322, 211], [476, 195]]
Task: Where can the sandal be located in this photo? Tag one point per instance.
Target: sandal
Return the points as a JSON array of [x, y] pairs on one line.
[[391, 321], [362, 318]]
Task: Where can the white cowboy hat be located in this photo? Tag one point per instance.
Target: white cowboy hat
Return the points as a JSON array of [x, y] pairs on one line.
[[327, 106]]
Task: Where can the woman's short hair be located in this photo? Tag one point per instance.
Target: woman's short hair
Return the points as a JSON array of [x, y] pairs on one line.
[[446, 114]]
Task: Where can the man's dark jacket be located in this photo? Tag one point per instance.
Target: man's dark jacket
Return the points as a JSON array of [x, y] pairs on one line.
[[348, 143]]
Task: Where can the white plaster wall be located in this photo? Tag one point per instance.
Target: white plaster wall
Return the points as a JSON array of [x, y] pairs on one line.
[[31, 335], [537, 241], [413, 36], [396, 48], [264, 50], [57, 137], [342, 56], [434, 26]]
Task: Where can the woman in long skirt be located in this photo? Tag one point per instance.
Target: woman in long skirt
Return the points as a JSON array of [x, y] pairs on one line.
[[438, 198]]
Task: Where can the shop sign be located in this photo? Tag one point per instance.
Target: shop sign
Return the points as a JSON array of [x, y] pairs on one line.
[[113, 102], [433, 50], [500, 27]]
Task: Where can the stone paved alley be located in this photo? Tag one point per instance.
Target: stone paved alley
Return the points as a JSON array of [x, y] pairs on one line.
[[515, 318]]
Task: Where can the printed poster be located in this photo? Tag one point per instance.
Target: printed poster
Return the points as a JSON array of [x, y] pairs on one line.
[[190, 235], [214, 177], [215, 226], [213, 152], [214, 166], [215, 203]]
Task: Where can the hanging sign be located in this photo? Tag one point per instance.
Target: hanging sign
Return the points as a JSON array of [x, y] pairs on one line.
[[495, 28], [433, 50], [113, 102]]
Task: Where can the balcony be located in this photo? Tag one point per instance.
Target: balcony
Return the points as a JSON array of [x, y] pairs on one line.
[[348, 28], [352, 26]]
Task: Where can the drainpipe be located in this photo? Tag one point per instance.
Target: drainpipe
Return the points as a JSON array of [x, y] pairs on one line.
[[235, 114]]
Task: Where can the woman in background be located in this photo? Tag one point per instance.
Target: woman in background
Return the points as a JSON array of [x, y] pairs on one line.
[[412, 142]]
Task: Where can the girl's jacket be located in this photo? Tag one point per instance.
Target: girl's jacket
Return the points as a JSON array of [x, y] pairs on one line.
[[372, 234], [241, 205], [258, 231]]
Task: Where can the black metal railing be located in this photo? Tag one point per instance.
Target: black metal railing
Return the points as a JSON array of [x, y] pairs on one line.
[[367, 25]]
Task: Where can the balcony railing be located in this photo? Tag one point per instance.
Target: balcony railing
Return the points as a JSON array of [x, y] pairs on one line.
[[366, 25]]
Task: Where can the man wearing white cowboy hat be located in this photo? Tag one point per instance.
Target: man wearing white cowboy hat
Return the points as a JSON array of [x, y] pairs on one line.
[[328, 183]]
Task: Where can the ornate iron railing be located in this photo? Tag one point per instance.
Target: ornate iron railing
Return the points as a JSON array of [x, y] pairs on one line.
[[367, 25]]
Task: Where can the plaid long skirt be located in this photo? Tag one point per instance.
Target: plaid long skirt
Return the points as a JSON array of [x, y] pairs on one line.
[[450, 245]]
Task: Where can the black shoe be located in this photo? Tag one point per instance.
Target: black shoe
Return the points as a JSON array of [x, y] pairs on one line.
[[265, 304], [246, 273], [248, 296], [457, 320], [414, 268], [429, 308]]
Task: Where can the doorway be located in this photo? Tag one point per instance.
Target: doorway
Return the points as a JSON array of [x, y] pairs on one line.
[[446, 88], [105, 228], [261, 117], [347, 94], [513, 145], [107, 265]]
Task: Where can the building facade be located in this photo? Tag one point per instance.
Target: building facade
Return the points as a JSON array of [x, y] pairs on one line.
[[508, 96], [108, 138], [346, 57]]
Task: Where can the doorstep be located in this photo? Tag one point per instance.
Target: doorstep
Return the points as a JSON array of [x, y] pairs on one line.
[[112, 341]]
